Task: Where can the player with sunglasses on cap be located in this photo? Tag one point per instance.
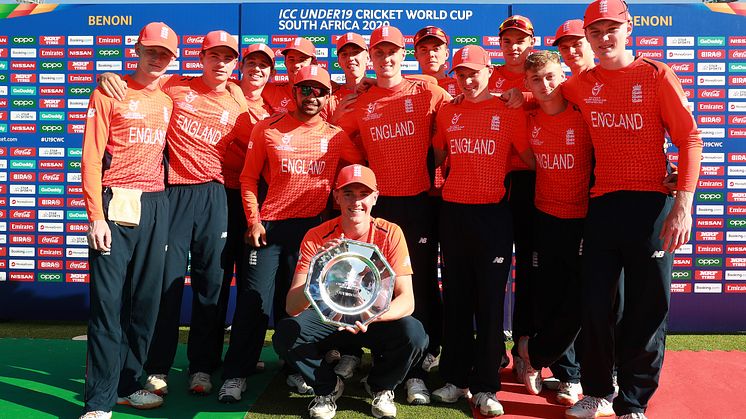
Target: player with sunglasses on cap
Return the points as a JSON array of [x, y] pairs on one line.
[[396, 339], [393, 123], [298, 53], [128, 246], [477, 135], [431, 52], [297, 153], [633, 222]]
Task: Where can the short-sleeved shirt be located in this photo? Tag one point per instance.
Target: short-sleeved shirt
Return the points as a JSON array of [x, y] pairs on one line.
[[394, 127], [477, 138], [235, 155], [628, 112], [562, 148], [123, 143], [300, 159], [203, 124], [387, 236]]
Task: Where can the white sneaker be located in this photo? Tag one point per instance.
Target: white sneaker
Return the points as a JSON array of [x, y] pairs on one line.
[[431, 361], [590, 407], [297, 381], [636, 415], [230, 391], [551, 383], [383, 405], [568, 393], [157, 383], [518, 368], [531, 379], [199, 383], [417, 392], [347, 366], [332, 356], [96, 414], [325, 407], [141, 399], [488, 404], [450, 393]]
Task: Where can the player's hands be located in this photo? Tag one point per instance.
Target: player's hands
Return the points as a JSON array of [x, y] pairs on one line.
[[256, 235], [365, 84], [670, 182], [99, 236], [343, 107], [677, 228], [331, 243], [358, 328], [113, 85], [458, 99], [513, 98]]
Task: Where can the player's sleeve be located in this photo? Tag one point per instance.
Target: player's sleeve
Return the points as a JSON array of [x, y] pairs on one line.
[[351, 153], [438, 97], [397, 252], [308, 248], [256, 155], [233, 158], [166, 81], [439, 138], [348, 122], [570, 89], [95, 138], [682, 129]]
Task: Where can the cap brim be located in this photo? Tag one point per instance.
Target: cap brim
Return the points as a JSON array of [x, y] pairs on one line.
[[373, 188], [157, 44], [387, 41], [613, 19], [526, 31], [339, 47], [557, 40], [266, 54], [288, 49], [431, 36]]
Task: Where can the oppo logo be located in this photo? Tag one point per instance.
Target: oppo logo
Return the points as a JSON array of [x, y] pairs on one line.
[[51, 128], [109, 53], [709, 262], [711, 196], [80, 91], [318, 39], [53, 65], [23, 40], [20, 103], [681, 274]]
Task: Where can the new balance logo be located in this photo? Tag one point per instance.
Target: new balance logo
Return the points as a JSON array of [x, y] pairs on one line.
[[499, 260], [224, 235], [535, 259], [252, 257], [658, 254], [423, 240]]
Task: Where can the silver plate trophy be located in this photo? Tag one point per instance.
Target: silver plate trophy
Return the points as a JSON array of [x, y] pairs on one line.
[[350, 282]]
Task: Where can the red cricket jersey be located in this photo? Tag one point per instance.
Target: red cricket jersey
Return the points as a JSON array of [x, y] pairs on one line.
[[563, 151], [628, 112], [394, 127], [236, 153], [123, 143], [501, 81], [477, 138]]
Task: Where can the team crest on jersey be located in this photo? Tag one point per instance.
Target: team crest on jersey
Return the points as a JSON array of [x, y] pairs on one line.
[[408, 105], [285, 146], [454, 123], [452, 89], [570, 137], [595, 100], [225, 117], [251, 145], [495, 123], [324, 145], [535, 136], [637, 93], [370, 113]]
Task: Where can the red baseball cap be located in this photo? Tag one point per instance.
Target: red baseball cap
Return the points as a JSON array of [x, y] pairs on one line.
[[614, 10], [356, 173], [572, 27], [315, 73], [261, 48], [518, 22], [301, 44], [431, 32], [220, 39], [351, 38], [471, 56], [387, 34], [158, 34]]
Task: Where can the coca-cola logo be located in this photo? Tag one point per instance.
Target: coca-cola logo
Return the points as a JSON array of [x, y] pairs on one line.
[[51, 240], [25, 214], [22, 151], [737, 119], [682, 67], [649, 41], [76, 202], [52, 177], [193, 39], [711, 93], [79, 265]]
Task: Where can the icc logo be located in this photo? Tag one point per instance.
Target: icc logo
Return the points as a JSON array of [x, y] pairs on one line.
[[455, 118], [535, 132], [597, 89], [286, 138], [189, 98], [133, 105]]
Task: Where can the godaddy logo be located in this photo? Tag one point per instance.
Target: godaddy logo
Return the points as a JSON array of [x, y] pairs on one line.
[[3, 65], [109, 53], [3, 128], [51, 65], [712, 41], [681, 275], [51, 128], [710, 196], [23, 103], [77, 215], [79, 90], [73, 164], [51, 190], [709, 262], [23, 40], [49, 277], [52, 116], [23, 91], [737, 223], [74, 152], [737, 67], [255, 39], [23, 164]]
